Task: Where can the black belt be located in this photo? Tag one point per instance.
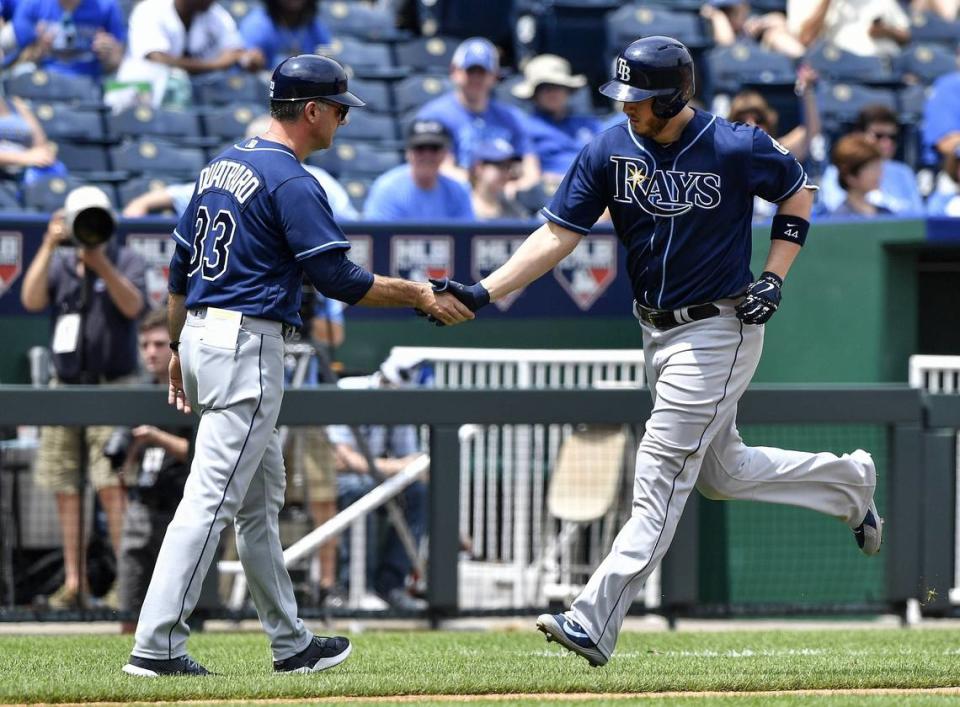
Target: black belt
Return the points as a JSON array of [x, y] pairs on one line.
[[669, 318], [286, 330]]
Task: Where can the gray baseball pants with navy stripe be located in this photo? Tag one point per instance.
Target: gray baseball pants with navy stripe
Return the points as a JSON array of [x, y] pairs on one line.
[[697, 373], [237, 474]]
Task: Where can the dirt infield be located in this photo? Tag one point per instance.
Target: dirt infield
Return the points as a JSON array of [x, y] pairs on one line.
[[566, 696]]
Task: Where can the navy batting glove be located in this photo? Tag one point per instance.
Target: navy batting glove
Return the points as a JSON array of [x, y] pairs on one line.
[[473, 296], [762, 299]]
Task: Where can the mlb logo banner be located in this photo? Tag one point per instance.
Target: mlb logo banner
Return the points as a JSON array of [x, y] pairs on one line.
[[361, 251], [420, 258], [589, 270], [11, 259], [490, 252], [157, 250]]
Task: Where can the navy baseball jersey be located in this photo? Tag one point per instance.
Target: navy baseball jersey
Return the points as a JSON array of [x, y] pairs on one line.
[[255, 216], [682, 211]]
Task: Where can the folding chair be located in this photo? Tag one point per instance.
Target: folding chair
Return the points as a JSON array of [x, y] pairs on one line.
[[585, 487]]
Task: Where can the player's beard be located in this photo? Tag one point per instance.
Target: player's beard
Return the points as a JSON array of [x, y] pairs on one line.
[[652, 127]]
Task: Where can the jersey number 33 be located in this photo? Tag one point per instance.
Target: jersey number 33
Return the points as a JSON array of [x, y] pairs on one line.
[[212, 236]]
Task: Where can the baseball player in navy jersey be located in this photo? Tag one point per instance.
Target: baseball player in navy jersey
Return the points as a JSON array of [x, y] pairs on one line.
[[256, 223], [679, 184]]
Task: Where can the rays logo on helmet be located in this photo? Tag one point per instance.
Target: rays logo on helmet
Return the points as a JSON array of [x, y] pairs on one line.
[[156, 249], [623, 70], [663, 192], [589, 270], [490, 252], [421, 257], [11, 258], [361, 251]]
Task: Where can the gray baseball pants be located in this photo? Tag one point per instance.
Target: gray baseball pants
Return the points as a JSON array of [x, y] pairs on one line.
[[237, 474], [697, 373]]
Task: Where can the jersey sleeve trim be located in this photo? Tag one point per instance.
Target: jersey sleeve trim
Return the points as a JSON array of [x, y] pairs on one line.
[[795, 188], [561, 222], [320, 248], [181, 238]]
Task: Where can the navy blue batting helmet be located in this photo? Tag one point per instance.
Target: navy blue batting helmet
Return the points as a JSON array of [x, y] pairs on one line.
[[308, 76], [653, 67]]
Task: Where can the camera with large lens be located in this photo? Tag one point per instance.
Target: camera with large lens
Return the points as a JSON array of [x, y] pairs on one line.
[[88, 217], [117, 446]]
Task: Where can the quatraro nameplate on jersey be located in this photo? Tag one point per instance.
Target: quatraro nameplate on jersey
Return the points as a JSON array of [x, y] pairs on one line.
[[221, 328]]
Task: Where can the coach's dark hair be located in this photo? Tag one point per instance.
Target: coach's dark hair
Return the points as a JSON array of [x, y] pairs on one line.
[[875, 113], [154, 319], [287, 111]]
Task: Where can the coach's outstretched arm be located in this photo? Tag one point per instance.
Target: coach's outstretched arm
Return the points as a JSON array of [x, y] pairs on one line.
[[538, 254], [788, 232]]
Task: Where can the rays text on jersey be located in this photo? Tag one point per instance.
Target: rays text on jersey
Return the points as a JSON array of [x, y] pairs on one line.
[[663, 192], [234, 177]]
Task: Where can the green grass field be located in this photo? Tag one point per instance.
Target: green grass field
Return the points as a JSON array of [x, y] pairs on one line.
[[87, 668]]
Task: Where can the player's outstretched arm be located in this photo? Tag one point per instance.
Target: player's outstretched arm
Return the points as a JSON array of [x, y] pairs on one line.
[[394, 292], [540, 253]]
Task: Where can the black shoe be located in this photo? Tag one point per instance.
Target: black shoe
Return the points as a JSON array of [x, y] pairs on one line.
[[321, 654], [152, 668]]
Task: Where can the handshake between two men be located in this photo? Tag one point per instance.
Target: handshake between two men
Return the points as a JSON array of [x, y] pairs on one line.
[[473, 297]]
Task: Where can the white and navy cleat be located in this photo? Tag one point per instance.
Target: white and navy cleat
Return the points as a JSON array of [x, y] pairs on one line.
[[155, 668], [569, 634], [869, 533], [320, 654]]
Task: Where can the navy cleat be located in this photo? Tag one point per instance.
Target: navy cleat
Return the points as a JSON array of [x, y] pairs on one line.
[[155, 668], [569, 634], [869, 533], [320, 654]]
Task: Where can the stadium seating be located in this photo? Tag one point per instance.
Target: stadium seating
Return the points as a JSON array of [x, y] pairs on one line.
[[430, 54], [143, 120], [239, 9], [156, 157], [219, 89], [413, 92], [48, 195], [81, 158], [62, 121], [362, 58], [840, 102], [835, 64], [633, 21], [930, 27], [9, 201], [729, 67], [230, 122], [364, 125], [53, 87], [356, 159], [133, 188], [358, 20], [375, 92], [926, 62], [357, 189]]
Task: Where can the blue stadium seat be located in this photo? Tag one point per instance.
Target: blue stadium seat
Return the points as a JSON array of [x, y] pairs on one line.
[[930, 27], [926, 62], [363, 58], [83, 158], [164, 122], [634, 21], [364, 125], [679, 5], [376, 93], [840, 102], [155, 157], [132, 188], [220, 89], [413, 92], [230, 122], [746, 62], [9, 200], [49, 194], [834, 64], [357, 189], [49, 86], [357, 20], [239, 9], [62, 121], [431, 54], [356, 158]]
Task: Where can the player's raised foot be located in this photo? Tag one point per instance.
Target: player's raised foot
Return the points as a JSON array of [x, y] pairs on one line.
[[154, 668], [869, 533], [569, 634], [322, 654]]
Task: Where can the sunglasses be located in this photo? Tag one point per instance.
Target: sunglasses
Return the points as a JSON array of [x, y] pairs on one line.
[[884, 134], [427, 148], [342, 110]]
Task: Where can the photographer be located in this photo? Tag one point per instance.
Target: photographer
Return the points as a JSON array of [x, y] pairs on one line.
[[95, 290], [155, 466]]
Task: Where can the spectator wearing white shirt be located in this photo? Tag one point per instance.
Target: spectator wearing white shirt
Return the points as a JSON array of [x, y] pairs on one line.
[[862, 27], [197, 36]]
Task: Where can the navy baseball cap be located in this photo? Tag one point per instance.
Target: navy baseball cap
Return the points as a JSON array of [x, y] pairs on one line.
[[496, 150], [476, 51], [427, 132]]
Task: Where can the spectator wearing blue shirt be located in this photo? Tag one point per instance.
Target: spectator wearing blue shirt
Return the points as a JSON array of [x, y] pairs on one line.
[[556, 133], [941, 118], [859, 164], [77, 37], [417, 191], [472, 115], [897, 191], [283, 28]]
